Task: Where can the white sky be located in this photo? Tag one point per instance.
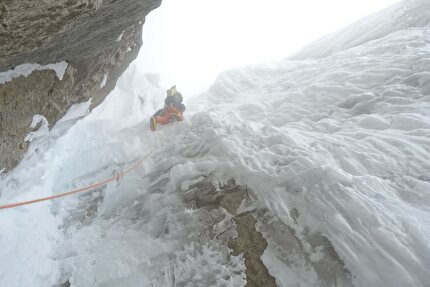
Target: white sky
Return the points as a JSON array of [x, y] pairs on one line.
[[189, 42]]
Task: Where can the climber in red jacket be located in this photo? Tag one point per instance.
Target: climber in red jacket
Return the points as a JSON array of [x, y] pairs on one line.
[[173, 110]]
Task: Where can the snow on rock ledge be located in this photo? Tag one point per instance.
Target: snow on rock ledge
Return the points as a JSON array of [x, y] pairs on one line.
[[27, 69]]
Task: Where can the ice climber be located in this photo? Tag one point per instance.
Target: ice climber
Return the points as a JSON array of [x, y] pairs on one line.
[[172, 112]]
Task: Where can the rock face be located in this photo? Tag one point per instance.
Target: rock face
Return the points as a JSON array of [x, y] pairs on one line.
[[98, 39], [250, 232], [249, 241]]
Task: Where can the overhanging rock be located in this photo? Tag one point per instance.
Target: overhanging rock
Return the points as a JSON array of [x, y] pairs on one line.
[[98, 39]]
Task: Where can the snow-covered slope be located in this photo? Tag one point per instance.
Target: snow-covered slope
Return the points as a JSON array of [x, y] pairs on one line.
[[403, 15], [337, 147]]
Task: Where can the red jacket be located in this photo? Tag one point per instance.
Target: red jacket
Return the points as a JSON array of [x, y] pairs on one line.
[[168, 114]]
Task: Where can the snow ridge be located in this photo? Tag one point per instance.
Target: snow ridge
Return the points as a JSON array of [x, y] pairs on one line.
[[403, 15]]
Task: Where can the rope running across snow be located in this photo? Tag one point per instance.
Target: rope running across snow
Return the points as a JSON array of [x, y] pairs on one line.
[[87, 188]]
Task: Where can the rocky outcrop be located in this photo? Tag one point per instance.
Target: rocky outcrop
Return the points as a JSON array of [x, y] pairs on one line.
[[248, 241], [98, 39], [251, 231]]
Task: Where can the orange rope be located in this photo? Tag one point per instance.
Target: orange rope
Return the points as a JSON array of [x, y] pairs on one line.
[[92, 186]]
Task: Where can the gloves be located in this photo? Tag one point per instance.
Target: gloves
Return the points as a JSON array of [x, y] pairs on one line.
[[176, 117]]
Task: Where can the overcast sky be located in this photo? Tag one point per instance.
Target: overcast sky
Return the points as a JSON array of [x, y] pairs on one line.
[[189, 42]]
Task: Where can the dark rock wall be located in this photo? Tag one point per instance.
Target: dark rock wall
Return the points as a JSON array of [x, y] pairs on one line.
[[28, 25], [85, 34]]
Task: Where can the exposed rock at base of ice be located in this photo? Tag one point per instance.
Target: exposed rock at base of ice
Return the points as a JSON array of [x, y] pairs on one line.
[[247, 242], [204, 232], [305, 257]]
